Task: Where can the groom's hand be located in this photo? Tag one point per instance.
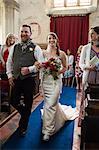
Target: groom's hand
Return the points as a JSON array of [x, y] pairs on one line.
[[25, 70]]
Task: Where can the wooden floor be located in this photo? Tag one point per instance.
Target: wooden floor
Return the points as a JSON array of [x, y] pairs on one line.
[[10, 126]]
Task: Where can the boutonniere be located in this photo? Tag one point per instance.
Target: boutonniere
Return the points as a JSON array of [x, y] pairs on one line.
[[31, 49]]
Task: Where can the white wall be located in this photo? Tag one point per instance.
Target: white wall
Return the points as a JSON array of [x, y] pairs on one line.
[[33, 13], [94, 18]]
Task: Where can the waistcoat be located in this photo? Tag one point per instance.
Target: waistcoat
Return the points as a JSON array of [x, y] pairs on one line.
[[23, 58]]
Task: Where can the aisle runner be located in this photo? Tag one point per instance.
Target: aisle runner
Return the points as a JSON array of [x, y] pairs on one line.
[[33, 140]]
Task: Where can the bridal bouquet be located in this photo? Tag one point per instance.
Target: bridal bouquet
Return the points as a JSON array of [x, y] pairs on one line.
[[51, 67]]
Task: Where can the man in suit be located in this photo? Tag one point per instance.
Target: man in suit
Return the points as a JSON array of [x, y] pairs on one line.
[[22, 65]]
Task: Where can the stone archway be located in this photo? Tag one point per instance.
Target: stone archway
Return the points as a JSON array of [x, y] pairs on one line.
[[9, 18]]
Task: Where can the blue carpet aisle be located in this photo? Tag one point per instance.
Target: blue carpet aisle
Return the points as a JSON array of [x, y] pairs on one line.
[[62, 140]]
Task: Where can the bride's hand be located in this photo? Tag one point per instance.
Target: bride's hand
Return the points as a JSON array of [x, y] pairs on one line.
[[37, 64], [62, 70]]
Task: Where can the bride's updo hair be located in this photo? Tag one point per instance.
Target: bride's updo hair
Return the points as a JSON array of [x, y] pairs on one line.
[[57, 43]]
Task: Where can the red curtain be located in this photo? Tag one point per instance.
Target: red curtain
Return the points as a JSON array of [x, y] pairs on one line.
[[71, 30]]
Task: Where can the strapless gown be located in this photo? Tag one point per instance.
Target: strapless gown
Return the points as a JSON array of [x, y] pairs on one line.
[[54, 114]]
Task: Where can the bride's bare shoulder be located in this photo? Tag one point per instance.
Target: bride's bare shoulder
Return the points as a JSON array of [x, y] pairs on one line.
[[62, 53]]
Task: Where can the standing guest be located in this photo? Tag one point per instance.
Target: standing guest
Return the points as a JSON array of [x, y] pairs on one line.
[[21, 69], [69, 73], [10, 41], [53, 66], [78, 71], [88, 52]]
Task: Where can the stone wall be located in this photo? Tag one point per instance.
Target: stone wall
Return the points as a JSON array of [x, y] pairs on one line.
[[14, 13], [94, 18], [9, 18], [33, 13]]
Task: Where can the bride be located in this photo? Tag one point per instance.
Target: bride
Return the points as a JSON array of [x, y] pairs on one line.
[[54, 114]]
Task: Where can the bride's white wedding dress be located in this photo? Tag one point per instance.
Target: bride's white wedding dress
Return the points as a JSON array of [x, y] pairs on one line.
[[54, 114]]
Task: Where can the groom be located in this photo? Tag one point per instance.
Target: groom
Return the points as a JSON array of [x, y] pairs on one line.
[[21, 69]]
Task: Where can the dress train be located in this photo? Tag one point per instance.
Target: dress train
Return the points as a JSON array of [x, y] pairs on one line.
[[54, 114]]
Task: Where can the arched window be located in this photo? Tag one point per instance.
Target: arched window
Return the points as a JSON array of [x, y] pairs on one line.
[[70, 7]]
